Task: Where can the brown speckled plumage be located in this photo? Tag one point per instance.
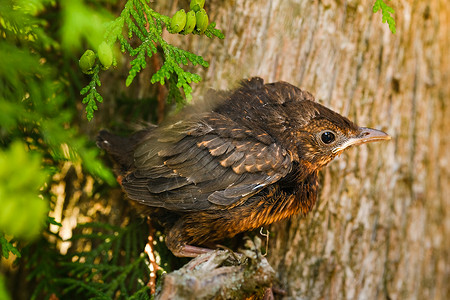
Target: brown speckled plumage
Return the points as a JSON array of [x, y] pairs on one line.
[[251, 160]]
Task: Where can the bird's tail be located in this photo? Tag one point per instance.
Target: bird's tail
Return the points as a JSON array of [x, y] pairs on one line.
[[120, 148]]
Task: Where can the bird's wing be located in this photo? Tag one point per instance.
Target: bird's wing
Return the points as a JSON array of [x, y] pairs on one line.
[[211, 162]]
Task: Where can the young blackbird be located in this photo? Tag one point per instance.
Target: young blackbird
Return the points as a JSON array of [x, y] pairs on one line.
[[250, 160]]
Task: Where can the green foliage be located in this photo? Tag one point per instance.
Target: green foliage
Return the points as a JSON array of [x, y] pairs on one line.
[[3, 292], [41, 260], [35, 114], [138, 20], [107, 270], [386, 12], [92, 94], [7, 247], [33, 93], [109, 264], [82, 22], [22, 177]]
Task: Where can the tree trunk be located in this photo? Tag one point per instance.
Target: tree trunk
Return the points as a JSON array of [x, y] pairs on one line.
[[381, 227]]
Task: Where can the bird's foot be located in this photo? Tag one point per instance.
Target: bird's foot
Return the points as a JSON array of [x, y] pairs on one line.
[[236, 256]]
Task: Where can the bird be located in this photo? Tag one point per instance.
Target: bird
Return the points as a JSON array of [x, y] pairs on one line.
[[248, 159]]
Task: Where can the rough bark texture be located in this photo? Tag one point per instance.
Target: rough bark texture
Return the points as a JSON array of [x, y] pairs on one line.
[[381, 228]]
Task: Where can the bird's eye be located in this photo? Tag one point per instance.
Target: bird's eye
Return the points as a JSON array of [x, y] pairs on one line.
[[328, 137]]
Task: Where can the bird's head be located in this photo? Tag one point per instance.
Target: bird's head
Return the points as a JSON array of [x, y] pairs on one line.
[[327, 134]]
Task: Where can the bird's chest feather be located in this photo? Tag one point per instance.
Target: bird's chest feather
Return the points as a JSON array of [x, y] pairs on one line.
[[282, 200], [275, 203]]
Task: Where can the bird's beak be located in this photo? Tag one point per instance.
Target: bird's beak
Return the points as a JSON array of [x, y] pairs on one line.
[[366, 135]]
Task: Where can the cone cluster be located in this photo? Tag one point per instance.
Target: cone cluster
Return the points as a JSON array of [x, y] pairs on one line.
[[196, 20]]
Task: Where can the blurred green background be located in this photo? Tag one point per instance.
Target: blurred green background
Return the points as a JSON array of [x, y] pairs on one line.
[[50, 167]]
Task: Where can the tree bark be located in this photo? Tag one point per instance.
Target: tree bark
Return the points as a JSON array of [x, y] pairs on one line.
[[380, 229]]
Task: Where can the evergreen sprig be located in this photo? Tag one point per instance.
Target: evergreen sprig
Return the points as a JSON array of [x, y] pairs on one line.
[[386, 12], [138, 20], [92, 94], [7, 247]]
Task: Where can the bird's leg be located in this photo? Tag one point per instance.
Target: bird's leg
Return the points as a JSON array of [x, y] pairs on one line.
[[177, 240], [154, 267], [189, 251]]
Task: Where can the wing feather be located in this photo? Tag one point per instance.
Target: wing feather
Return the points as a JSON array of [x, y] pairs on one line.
[[213, 162]]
